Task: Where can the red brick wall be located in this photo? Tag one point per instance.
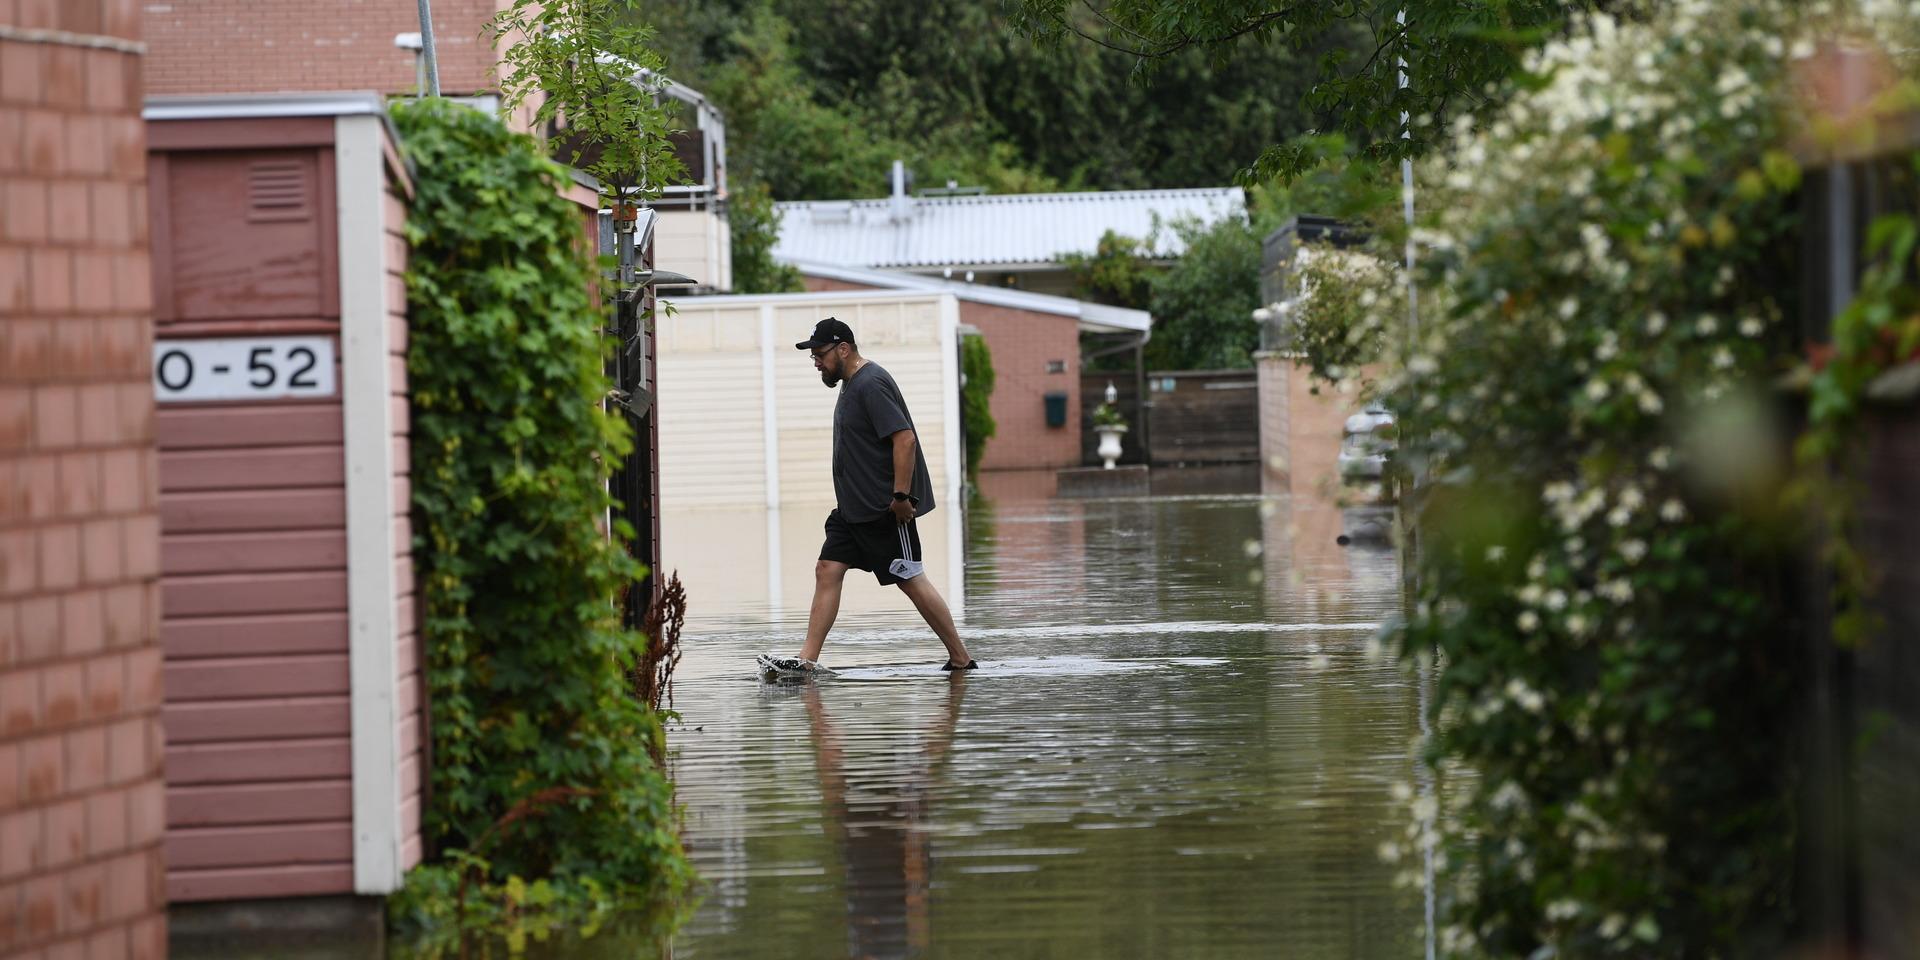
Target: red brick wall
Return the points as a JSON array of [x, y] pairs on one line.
[[269, 46], [1023, 342], [81, 805]]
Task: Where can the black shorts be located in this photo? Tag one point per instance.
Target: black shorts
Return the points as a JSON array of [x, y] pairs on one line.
[[871, 545]]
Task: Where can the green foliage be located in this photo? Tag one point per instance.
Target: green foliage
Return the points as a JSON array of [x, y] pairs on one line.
[[1452, 51], [1344, 303], [577, 60], [1119, 272], [1879, 330], [540, 764], [976, 368], [1105, 415], [754, 225], [819, 110], [1202, 303], [448, 914], [1607, 541]]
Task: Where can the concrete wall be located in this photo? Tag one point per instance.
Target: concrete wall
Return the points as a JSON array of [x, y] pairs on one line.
[[81, 804], [695, 243], [746, 435]]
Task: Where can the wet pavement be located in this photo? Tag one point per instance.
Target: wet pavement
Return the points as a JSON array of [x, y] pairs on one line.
[[1178, 745]]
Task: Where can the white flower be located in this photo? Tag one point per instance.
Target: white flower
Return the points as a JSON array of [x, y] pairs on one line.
[[1556, 600], [1619, 591], [1496, 553], [1559, 491], [1707, 325], [1656, 322], [1425, 809], [1673, 511], [1751, 327], [1508, 797], [1401, 792], [1577, 625], [1562, 910], [1528, 698], [1528, 621], [1633, 550], [1597, 389], [1649, 402], [1422, 364], [1661, 458], [1722, 358]]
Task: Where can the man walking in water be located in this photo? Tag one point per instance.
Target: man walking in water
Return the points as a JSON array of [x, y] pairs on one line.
[[880, 486]]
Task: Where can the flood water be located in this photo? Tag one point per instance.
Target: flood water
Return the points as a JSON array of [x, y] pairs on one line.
[[1178, 744]]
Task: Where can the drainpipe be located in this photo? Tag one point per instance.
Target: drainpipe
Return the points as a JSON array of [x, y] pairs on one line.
[[426, 47]]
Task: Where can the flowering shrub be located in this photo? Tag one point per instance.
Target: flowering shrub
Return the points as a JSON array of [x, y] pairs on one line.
[[1605, 522], [1105, 415], [1344, 303]]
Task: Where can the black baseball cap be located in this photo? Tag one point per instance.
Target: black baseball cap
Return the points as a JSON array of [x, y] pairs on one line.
[[825, 332]]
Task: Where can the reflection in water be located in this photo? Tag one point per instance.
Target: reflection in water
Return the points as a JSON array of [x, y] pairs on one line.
[[880, 825], [1186, 750]]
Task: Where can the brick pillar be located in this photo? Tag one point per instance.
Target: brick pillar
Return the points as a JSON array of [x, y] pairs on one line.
[[81, 800]]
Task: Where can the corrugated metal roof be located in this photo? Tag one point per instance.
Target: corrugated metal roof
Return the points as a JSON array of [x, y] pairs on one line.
[[987, 231], [1092, 317]]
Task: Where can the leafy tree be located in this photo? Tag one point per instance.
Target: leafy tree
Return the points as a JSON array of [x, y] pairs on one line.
[[754, 226], [1452, 50], [1117, 273], [577, 60], [1203, 303], [821, 96]]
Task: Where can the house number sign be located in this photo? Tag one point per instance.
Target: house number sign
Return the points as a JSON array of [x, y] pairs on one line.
[[243, 368]]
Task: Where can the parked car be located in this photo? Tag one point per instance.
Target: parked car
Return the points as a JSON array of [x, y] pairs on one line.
[[1366, 442]]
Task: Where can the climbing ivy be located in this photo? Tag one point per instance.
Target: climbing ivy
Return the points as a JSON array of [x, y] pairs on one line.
[[976, 363], [541, 778]]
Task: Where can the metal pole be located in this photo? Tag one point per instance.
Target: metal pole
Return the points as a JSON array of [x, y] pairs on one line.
[[1425, 772], [426, 48], [1406, 195]]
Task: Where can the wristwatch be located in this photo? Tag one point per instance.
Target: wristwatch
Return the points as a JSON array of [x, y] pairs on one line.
[[908, 497]]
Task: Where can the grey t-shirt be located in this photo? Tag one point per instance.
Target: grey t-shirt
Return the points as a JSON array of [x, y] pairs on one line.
[[865, 418]]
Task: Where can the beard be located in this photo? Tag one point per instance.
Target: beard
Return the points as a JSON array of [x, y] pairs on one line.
[[829, 378]]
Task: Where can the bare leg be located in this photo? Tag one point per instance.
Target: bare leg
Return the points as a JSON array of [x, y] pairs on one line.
[[827, 578], [934, 610]]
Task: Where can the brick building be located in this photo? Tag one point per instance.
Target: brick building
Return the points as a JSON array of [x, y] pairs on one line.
[[81, 803], [245, 46]]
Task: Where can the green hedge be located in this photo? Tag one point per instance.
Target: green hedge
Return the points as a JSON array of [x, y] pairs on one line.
[[540, 764], [976, 366]]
